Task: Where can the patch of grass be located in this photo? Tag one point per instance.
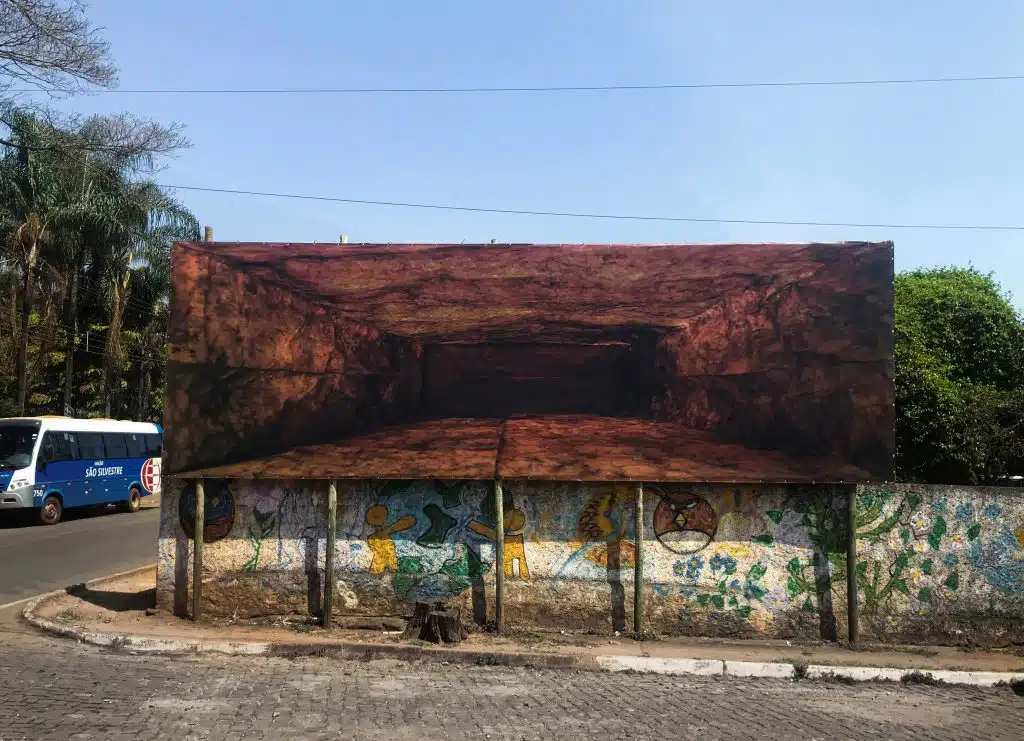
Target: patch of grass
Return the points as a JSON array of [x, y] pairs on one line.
[[301, 627], [522, 635], [67, 615], [799, 671], [487, 660], [916, 677], [837, 678]]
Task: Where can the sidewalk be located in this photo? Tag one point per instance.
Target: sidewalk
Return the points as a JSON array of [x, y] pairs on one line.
[[114, 612]]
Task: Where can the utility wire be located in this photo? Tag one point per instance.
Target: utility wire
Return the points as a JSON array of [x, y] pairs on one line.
[[585, 215], [552, 88]]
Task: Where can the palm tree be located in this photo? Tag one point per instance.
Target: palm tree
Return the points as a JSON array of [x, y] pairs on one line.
[[33, 206], [142, 222]]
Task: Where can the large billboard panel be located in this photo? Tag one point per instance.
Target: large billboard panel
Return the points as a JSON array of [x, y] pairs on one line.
[[715, 363]]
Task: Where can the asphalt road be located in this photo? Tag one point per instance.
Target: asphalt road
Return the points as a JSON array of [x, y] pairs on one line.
[[86, 545]]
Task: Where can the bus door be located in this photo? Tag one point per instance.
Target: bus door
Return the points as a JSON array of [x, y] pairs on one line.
[[91, 454], [115, 467], [58, 468]]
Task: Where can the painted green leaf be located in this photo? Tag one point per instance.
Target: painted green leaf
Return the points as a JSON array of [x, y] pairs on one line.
[[793, 566], [745, 610], [901, 585], [702, 599], [926, 566], [902, 560], [792, 587], [721, 586], [775, 515], [974, 531], [913, 499], [905, 536], [953, 580], [938, 530], [925, 594], [756, 572], [764, 539], [718, 601], [733, 602], [808, 605]]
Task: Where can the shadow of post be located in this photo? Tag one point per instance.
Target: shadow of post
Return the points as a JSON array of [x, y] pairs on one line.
[[618, 591]]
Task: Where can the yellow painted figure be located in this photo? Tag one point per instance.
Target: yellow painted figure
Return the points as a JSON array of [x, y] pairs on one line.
[[381, 545], [514, 548]]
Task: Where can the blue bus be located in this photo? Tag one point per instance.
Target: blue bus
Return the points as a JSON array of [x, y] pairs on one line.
[[48, 464]]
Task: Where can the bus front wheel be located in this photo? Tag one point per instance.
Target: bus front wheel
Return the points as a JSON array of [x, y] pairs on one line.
[[134, 501], [50, 512]]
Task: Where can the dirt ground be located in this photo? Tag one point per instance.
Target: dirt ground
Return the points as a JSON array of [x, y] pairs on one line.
[[125, 606]]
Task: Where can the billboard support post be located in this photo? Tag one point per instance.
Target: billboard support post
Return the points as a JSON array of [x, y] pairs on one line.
[[851, 566], [499, 557], [332, 529], [638, 561], [197, 551]]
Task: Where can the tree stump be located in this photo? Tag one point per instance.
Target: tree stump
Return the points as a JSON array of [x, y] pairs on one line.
[[435, 623]]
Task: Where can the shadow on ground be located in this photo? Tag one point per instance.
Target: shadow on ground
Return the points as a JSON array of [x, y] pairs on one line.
[[114, 601]]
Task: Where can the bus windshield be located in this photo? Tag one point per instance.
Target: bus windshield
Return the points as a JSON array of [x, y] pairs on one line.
[[16, 444]]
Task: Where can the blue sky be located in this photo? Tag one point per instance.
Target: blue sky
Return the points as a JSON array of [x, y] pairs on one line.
[[899, 154]]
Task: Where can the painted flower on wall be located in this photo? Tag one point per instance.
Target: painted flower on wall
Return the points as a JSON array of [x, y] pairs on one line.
[[723, 563], [920, 523], [1001, 561], [964, 512]]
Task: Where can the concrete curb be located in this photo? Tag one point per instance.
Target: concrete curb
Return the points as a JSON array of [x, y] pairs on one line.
[[639, 664]]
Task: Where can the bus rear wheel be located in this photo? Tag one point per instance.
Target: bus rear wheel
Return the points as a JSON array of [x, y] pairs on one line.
[[134, 501], [51, 511]]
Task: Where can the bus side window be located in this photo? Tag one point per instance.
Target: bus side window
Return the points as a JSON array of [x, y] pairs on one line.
[[137, 447], [71, 444], [154, 443], [90, 446], [115, 445], [47, 451]]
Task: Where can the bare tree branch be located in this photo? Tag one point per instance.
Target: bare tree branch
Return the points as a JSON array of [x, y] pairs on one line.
[[51, 44]]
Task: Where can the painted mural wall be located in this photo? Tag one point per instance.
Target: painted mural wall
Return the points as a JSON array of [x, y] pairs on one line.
[[934, 563]]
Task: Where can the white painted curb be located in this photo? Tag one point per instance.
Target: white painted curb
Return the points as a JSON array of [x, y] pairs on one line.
[[780, 670], [641, 664]]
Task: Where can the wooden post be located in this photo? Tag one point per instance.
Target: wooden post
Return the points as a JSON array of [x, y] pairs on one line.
[[332, 525], [207, 233], [499, 557], [197, 551], [851, 567], [638, 559]]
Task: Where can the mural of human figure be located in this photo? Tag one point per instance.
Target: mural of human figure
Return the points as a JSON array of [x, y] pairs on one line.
[[381, 545], [515, 551]]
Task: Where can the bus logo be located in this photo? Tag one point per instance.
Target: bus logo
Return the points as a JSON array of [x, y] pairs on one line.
[[151, 475]]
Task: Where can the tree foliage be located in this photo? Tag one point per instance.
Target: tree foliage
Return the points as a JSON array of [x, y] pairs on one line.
[[959, 345], [84, 252]]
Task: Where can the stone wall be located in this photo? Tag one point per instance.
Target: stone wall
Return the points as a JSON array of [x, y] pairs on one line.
[[936, 564]]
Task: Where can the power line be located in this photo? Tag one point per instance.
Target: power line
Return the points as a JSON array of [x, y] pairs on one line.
[[552, 88], [585, 215]]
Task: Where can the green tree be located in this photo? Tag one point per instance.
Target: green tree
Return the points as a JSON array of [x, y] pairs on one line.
[[959, 346]]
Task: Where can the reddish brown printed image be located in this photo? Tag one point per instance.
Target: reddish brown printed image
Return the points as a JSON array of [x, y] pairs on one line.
[[561, 362]]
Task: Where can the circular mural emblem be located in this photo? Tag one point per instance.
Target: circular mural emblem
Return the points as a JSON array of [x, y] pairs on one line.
[[150, 476], [683, 522], [219, 512]]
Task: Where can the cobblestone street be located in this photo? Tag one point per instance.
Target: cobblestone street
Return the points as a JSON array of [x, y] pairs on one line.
[[54, 689]]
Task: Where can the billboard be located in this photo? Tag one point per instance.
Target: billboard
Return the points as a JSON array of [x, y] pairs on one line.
[[674, 362]]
